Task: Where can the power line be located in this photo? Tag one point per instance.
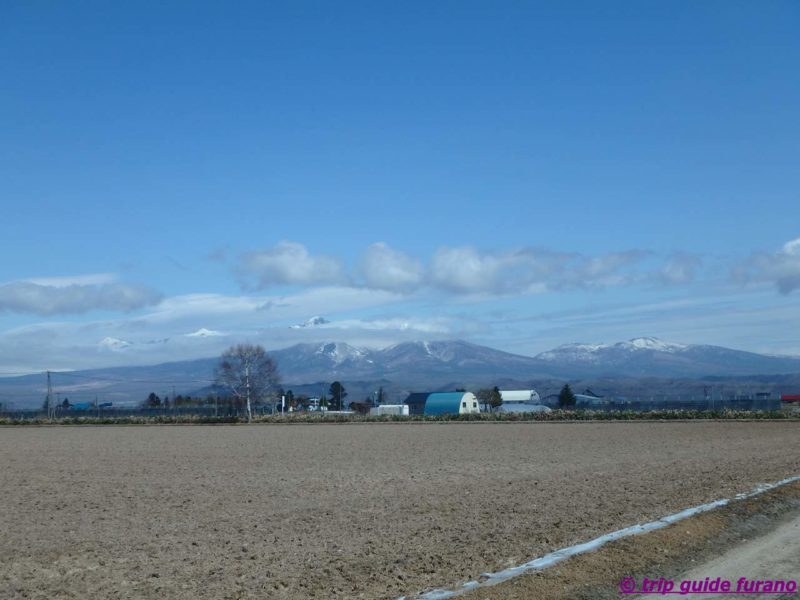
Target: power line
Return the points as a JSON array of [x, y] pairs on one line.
[[19, 373], [122, 379]]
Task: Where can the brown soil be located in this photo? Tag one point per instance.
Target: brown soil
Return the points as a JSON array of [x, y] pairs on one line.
[[755, 538], [348, 511]]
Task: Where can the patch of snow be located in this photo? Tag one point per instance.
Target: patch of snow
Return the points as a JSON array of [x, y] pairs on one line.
[[574, 352], [340, 352], [651, 343], [312, 322], [594, 352]]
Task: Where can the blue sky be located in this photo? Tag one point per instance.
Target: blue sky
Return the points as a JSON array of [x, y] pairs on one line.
[[518, 174]]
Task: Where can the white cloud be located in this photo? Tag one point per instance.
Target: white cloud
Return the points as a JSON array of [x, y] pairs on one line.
[[614, 268], [142, 341], [67, 280], [164, 334], [679, 268], [529, 270], [203, 332], [464, 269], [432, 325], [387, 269], [782, 268], [290, 263], [192, 308], [178, 315], [113, 344], [792, 248], [66, 297]]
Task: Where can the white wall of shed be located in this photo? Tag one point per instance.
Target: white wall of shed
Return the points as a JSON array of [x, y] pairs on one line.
[[520, 396]]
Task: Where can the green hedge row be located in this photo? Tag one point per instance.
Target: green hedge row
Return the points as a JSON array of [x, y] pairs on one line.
[[556, 415]]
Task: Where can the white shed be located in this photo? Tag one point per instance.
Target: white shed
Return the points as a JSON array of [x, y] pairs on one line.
[[389, 409], [520, 396]]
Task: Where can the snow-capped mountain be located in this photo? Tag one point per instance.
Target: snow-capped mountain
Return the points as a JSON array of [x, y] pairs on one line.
[[452, 357], [418, 361], [312, 322], [596, 353], [338, 352], [433, 365], [651, 343], [314, 362], [652, 357]]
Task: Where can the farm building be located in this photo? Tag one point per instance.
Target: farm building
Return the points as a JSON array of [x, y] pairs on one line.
[[520, 396], [442, 403], [416, 402], [791, 402], [521, 407], [587, 400], [390, 409], [521, 401], [82, 406]]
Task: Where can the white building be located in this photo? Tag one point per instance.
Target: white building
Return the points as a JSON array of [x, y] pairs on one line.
[[521, 401], [520, 396], [390, 409]]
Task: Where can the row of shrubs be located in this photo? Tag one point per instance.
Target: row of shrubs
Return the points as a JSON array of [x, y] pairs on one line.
[[555, 415], [300, 418], [126, 420]]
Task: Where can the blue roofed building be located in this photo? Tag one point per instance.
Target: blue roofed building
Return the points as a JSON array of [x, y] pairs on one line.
[[442, 403]]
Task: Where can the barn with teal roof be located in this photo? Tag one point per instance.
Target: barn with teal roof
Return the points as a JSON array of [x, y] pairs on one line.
[[442, 403]]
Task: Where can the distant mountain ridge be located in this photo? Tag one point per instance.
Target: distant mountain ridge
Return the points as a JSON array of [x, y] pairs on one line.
[[416, 365], [409, 360], [639, 357], [652, 357]]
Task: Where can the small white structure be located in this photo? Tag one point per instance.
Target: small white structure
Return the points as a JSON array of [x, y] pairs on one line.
[[521, 401], [390, 409], [521, 407], [590, 401], [520, 396], [314, 404]]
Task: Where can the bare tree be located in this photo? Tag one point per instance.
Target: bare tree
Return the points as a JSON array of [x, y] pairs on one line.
[[249, 373], [490, 398]]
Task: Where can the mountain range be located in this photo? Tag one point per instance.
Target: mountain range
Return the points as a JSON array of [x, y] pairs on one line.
[[309, 368]]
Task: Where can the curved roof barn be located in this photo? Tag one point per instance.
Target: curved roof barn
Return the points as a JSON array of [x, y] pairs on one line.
[[451, 403]]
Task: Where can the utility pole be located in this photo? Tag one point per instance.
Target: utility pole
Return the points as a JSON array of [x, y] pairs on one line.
[[50, 410], [247, 377]]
